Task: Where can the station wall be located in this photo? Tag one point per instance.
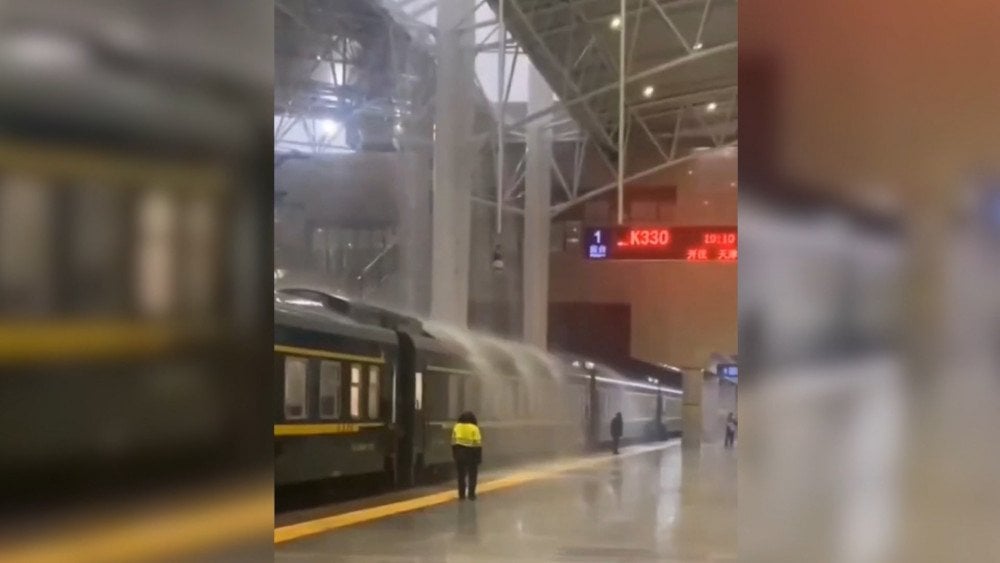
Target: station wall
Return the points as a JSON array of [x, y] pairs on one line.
[[680, 312]]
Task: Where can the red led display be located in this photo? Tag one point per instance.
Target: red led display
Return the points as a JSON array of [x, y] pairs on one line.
[[696, 244], [646, 237]]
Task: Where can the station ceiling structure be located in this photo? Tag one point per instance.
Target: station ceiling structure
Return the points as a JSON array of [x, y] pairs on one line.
[[680, 75], [681, 65], [353, 76]]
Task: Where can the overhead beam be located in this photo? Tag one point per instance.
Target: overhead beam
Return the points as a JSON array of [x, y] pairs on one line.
[[711, 131], [491, 203], [611, 86], [677, 130], [633, 114], [559, 65], [573, 4], [683, 99], [652, 137], [562, 179], [557, 209], [704, 18], [670, 22], [599, 19]]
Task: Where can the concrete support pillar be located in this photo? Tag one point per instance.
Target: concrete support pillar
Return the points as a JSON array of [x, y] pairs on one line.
[[943, 389], [454, 120], [537, 203], [692, 419], [414, 235], [712, 422]]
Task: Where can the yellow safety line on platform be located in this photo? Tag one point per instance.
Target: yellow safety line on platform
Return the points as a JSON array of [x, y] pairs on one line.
[[83, 340], [167, 533], [323, 429], [313, 527], [120, 168], [312, 353]]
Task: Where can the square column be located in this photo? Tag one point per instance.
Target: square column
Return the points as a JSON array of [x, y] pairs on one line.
[[537, 205], [692, 418], [414, 182], [701, 418], [713, 421], [454, 107]]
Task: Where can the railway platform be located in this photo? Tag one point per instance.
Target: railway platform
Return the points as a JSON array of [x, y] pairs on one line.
[[650, 503]]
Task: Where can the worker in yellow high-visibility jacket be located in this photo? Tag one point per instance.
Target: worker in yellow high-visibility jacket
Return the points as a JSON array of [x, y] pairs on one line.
[[467, 449]]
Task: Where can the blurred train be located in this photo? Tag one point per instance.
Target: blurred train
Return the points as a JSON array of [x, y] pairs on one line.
[[134, 243], [361, 399], [820, 281]]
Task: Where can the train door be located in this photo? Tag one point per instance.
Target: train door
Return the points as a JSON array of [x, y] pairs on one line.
[[409, 411]]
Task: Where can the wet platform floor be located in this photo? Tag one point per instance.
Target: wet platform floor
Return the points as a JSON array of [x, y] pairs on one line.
[[660, 505]]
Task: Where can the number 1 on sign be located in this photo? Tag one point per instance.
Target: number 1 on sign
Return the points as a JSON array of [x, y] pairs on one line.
[[597, 237]]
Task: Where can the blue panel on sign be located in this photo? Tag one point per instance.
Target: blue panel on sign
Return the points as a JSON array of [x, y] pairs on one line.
[[597, 246], [728, 371], [597, 251]]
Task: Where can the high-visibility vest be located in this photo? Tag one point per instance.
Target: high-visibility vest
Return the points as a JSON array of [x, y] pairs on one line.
[[465, 434]]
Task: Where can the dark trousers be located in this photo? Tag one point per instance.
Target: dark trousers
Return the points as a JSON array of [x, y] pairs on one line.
[[614, 442], [468, 473], [730, 438]]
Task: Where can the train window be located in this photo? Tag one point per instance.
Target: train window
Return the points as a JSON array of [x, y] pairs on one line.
[[355, 390], [156, 256], [418, 395], [373, 391], [296, 407], [329, 390]]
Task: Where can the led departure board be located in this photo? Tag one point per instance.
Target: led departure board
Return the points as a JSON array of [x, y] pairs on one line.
[[694, 244]]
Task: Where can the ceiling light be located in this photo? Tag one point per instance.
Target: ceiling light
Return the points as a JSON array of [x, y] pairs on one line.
[[648, 91], [712, 106], [329, 126], [690, 172], [697, 46], [615, 23], [732, 184]]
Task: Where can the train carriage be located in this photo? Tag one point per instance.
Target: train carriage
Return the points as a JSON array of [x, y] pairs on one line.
[[649, 412], [334, 411]]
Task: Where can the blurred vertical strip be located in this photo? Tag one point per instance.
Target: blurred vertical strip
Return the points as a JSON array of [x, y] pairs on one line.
[[869, 309], [135, 278]]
